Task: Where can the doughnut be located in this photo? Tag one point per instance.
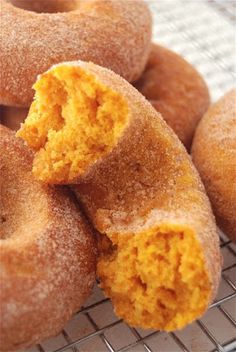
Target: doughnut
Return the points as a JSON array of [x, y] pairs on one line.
[[214, 154], [12, 117], [159, 258], [176, 90], [112, 33], [48, 252]]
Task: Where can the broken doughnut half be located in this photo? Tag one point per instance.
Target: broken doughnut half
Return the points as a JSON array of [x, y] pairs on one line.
[[159, 258]]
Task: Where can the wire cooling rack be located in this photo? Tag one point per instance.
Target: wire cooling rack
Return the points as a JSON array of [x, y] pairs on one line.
[[204, 33]]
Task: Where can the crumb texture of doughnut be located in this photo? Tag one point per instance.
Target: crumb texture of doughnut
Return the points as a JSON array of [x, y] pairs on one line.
[[214, 154], [101, 31], [65, 131], [176, 90], [48, 252], [168, 295], [159, 258]]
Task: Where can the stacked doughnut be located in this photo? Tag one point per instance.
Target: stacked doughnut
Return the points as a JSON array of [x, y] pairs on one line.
[[90, 130], [159, 258], [48, 252], [47, 248], [101, 31], [171, 84], [176, 90], [214, 154]]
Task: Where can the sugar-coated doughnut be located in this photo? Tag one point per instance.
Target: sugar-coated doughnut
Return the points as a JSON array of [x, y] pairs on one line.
[[12, 117], [176, 90], [112, 33], [214, 154], [159, 257], [48, 253]]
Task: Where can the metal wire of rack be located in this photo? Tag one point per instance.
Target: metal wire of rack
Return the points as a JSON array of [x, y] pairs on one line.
[[204, 33], [96, 329]]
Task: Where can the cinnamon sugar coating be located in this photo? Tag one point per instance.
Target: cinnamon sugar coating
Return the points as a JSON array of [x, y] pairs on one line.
[[47, 262], [159, 256], [214, 154], [176, 90], [147, 179], [101, 31]]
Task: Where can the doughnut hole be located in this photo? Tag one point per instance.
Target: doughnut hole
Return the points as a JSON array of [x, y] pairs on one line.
[[73, 121], [156, 279], [46, 6], [12, 117]]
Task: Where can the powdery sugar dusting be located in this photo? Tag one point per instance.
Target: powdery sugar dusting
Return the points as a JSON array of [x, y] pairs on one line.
[[48, 253], [103, 32], [214, 154], [147, 180], [176, 90]]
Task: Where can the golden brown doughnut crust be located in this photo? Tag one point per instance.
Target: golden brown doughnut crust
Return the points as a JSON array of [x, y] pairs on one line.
[[176, 90], [214, 154], [147, 179], [144, 186], [101, 31], [47, 263]]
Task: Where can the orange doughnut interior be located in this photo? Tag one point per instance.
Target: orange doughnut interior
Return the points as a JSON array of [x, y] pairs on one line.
[[73, 121], [157, 278]]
